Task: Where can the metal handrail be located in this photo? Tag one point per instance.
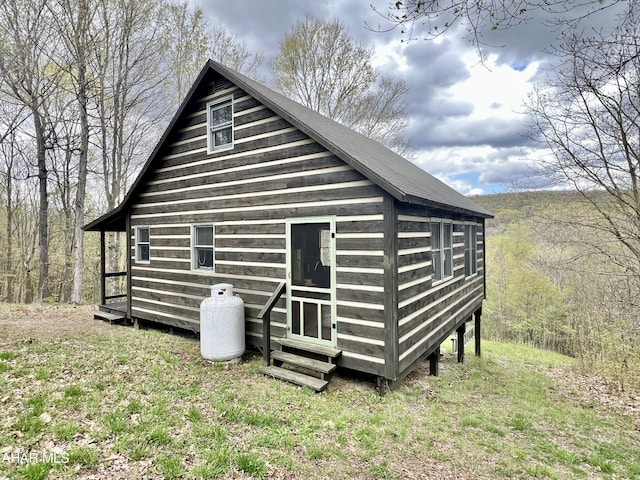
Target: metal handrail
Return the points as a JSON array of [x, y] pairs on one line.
[[265, 316]]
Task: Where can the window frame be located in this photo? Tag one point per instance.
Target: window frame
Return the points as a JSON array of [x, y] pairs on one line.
[[215, 104], [139, 243], [195, 246], [470, 249], [442, 251]]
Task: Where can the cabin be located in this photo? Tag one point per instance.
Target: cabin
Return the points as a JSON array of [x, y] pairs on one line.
[[346, 255]]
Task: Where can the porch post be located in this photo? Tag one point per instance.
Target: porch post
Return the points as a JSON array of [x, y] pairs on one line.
[[266, 339], [102, 269], [127, 227]]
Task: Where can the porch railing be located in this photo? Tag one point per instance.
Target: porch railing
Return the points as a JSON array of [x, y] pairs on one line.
[[265, 316], [103, 287]]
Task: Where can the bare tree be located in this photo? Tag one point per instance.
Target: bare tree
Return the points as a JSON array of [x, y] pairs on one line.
[[130, 115], [128, 76], [190, 40], [186, 46], [11, 118], [429, 19], [73, 20], [27, 43], [588, 116], [322, 67], [228, 49]]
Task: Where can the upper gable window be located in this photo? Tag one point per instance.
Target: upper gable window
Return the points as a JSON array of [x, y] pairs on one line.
[[220, 124]]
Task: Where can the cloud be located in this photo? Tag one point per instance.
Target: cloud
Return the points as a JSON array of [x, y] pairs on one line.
[[465, 120]]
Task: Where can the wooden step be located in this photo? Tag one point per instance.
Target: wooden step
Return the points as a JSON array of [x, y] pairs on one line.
[[111, 317], [329, 352], [324, 368], [294, 377]]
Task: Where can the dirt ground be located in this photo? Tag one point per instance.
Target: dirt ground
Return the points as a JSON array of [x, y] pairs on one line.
[[23, 322]]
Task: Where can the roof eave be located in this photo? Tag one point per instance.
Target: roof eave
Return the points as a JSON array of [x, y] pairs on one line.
[[104, 223], [447, 207]]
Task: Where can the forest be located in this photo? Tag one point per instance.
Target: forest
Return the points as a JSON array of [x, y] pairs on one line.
[[80, 111], [86, 89], [550, 285]]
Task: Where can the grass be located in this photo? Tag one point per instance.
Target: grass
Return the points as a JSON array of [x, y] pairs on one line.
[[121, 402]]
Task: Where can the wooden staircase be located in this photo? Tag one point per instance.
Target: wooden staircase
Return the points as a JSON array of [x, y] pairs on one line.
[[112, 316], [302, 363]]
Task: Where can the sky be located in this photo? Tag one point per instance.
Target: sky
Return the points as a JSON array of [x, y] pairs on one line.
[[467, 121]]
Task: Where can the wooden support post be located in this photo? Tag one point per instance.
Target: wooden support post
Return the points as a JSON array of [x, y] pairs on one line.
[[266, 339], [477, 317], [265, 316], [460, 331], [434, 362], [129, 245], [380, 386], [103, 271]]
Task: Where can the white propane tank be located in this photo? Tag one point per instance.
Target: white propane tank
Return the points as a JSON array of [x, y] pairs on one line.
[[222, 325]]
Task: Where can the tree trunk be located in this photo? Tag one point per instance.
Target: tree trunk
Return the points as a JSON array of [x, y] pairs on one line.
[[9, 270], [43, 210], [78, 273]]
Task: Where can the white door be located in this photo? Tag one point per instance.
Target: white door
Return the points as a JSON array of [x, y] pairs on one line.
[[311, 279]]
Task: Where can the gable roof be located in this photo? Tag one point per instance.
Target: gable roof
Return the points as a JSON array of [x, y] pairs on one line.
[[394, 174]]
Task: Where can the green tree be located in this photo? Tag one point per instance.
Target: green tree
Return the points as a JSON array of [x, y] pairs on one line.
[[322, 67], [523, 304]]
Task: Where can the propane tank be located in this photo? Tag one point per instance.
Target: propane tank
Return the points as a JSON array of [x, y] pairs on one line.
[[222, 325]]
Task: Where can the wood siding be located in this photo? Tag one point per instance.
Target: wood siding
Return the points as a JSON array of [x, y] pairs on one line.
[[429, 311], [274, 172]]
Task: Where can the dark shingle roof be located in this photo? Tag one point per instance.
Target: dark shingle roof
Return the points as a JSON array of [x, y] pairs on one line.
[[396, 175]]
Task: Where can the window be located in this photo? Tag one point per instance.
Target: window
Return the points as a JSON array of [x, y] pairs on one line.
[[447, 241], [220, 124], [470, 250], [202, 254], [442, 250], [142, 244], [436, 251]]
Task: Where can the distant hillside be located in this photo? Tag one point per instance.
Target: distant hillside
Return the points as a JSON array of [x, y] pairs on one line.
[[511, 207], [524, 200]]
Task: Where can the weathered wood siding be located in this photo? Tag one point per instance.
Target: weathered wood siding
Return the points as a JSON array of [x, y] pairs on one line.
[[360, 290], [427, 313], [273, 172]]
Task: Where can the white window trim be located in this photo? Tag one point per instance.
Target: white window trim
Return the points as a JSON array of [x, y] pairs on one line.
[[194, 258], [473, 247], [442, 249], [138, 243], [211, 148]]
